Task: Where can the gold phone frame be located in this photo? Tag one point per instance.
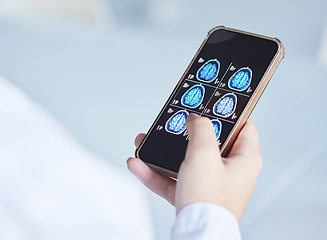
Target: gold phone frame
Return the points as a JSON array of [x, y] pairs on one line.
[[226, 147]]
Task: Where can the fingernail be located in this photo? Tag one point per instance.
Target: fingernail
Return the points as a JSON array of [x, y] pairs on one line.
[[193, 115]]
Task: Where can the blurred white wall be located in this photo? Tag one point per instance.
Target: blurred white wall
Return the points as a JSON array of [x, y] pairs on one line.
[[298, 24], [96, 12], [323, 47]]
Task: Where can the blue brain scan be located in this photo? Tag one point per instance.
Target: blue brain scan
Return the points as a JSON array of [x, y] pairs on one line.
[[193, 97], [209, 71], [217, 126], [241, 79], [176, 123], [226, 105]]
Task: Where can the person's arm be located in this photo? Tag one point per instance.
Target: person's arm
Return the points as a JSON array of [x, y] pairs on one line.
[[204, 175], [205, 221]]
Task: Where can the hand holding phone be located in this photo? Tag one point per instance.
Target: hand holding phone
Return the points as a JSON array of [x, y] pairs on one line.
[[223, 82], [204, 175]]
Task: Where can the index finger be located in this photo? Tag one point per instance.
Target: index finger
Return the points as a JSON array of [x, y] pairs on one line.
[[139, 139], [202, 138]]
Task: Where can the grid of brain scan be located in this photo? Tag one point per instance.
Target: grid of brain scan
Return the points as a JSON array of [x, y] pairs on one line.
[[225, 106], [211, 88], [176, 123], [193, 97], [209, 71], [217, 127], [241, 79]]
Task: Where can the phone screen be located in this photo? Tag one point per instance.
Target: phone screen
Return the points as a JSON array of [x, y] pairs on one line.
[[218, 84]]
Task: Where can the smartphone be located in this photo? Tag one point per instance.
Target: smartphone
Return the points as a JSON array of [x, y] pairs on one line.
[[223, 82]]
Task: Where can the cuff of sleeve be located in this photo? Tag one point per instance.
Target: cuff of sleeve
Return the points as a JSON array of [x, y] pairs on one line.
[[204, 220]]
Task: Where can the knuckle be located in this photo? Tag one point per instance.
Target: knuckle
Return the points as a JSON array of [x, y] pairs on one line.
[[258, 161]]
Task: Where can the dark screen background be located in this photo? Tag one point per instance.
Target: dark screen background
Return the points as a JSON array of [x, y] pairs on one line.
[[233, 51]]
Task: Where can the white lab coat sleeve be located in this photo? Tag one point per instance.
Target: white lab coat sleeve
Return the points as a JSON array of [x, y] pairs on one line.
[[52, 188], [205, 221]]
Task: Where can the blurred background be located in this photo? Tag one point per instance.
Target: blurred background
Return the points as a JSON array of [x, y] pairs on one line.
[[104, 69]]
